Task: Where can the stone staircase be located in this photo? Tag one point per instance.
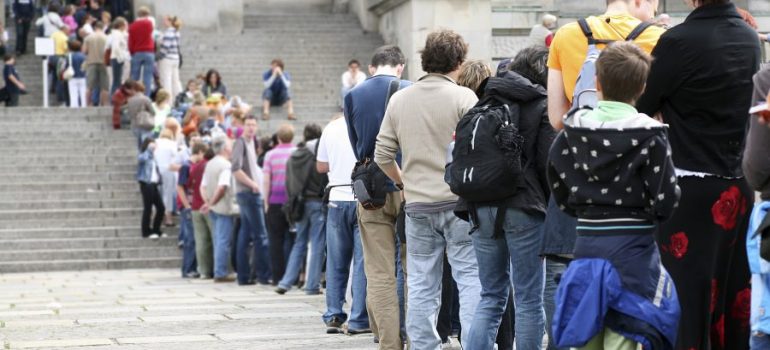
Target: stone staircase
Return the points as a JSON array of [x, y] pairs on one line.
[[68, 198]]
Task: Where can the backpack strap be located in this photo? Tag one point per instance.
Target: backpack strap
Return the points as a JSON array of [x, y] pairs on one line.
[[587, 31], [392, 89], [638, 31]]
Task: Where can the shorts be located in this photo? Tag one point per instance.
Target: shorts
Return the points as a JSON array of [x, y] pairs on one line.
[[96, 77], [276, 99]]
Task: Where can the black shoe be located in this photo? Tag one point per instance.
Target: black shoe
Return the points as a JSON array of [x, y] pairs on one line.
[[334, 326], [192, 275], [264, 283], [280, 291], [247, 283], [359, 331]]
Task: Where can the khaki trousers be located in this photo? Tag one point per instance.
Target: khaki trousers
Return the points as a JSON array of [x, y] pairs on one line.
[[378, 237], [204, 246]]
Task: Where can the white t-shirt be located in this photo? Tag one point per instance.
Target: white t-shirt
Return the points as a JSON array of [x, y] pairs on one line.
[[346, 79], [335, 149], [166, 153]]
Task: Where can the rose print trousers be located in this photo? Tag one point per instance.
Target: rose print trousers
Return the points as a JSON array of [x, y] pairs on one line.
[[704, 250]]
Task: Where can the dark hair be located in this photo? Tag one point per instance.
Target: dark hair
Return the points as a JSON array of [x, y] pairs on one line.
[[249, 117], [209, 155], [74, 45], [146, 143], [532, 63], [199, 147], [53, 7], [9, 56], [210, 73], [278, 62], [622, 70], [388, 55], [312, 131], [444, 52], [354, 61]]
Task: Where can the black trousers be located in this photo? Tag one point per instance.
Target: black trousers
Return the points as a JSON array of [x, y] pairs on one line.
[[151, 198], [22, 30], [279, 238]]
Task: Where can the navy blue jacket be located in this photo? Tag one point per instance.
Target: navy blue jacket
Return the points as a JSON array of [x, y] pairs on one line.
[[24, 9]]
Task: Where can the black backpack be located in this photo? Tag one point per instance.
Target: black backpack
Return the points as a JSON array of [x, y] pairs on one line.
[[487, 157]]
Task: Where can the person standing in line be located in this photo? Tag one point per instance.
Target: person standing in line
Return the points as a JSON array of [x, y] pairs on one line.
[[248, 183], [77, 84], [217, 193], [149, 184], [168, 65], [700, 83], [419, 123], [277, 83], [186, 198], [166, 154], [364, 111], [202, 228], [117, 43], [542, 31], [13, 84], [304, 182], [274, 195], [96, 72], [141, 45], [24, 12], [351, 78], [50, 21], [343, 237]]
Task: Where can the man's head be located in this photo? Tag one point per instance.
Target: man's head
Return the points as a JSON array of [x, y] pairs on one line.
[[532, 63], [74, 45], [143, 11], [250, 127], [621, 72], [285, 133], [388, 56], [198, 150], [99, 26], [221, 146], [444, 52], [312, 131], [549, 21], [354, 65], [644, 10], [9, 59], [277, 63], [473, 73]]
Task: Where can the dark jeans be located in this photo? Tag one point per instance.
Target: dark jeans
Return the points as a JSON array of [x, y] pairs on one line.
[[13, 100], [117, 75], [252, 231], [279, 238], [22, 29], [151, 198], [187, 233]]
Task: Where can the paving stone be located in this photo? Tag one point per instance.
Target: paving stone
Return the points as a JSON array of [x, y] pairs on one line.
[[59, 343], [108, 320], [265, 315], [166, 339], [184, 318]]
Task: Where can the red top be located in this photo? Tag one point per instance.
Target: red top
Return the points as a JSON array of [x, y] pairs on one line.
[[140, 37], [194, 182]]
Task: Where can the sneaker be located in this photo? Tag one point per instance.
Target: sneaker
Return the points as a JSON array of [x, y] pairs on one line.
[[247, 283], [163, 235], [446, 344], [225, 279], [192, 275], [180, 244], [334, 326], [154, 236], [359, 331], [280, 291]]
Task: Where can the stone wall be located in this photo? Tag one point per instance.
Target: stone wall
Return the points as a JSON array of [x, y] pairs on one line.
[[220, 16]]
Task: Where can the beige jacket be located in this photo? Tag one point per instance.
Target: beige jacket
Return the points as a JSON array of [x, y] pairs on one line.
[[420, 121]]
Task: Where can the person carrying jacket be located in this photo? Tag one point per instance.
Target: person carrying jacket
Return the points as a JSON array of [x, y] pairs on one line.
[[305, 186]]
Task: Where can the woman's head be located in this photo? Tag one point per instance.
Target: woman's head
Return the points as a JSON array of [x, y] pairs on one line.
[[172, 125], [213, 78], [473, 73], [120, 23], [192, 85], [167, 134], [199, 99], [531, 63], [53, 7], [162, 96], [312, 131], [69, 10], [172, 22]]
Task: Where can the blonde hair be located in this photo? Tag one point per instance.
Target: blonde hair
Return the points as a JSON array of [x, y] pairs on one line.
[[473, 73], [175, 22], [143, 11], [199, 99], [172, 125], [167, 134], [239, 116], [285, 133], [162, 96]]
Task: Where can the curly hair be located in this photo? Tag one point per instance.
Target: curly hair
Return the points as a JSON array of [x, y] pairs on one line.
[[444, 52]]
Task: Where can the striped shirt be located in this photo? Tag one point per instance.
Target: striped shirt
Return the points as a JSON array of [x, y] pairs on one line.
[[275, 166], [169, 48]]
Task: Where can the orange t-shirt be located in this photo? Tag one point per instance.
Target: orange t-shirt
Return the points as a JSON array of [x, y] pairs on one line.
[[569, 45]]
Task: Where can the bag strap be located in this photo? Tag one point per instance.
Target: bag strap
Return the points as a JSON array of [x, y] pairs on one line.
[[69, 58], [638, 31], [392, 89], [587, 31]]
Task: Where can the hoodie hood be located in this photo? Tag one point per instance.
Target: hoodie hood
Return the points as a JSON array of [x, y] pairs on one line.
[[512, 88], [612, 150]]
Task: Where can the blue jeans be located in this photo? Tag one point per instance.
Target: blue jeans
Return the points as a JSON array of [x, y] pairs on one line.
[[513, 258], [117, 76], [189, 264], [310, 228], [252, 230], [553, 269], [343, 245], [223, 236], [427, 236], [142, 69], [759, 341]]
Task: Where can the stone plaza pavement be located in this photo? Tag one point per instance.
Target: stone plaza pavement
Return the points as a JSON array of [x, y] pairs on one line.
[[156, 309]]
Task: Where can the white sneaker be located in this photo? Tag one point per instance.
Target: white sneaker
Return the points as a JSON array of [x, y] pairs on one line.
[[154, 236], [163, 235]]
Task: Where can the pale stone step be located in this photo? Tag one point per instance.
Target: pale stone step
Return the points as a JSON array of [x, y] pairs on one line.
[[101, 264], [82, 254], [20, 215], [85, 243], [76, 232]]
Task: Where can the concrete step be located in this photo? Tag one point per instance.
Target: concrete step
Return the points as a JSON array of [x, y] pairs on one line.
[[12, 161], [52, 177], [77, 232], [85, 243], [70, 168], [64, 195], [80, 265], [84, 187], [48, 204], [90, 213], [51, 150], [119, 140], [90, 254]]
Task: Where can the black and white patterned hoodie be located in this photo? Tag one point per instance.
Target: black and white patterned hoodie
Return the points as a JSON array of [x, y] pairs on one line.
[[613, 169]]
